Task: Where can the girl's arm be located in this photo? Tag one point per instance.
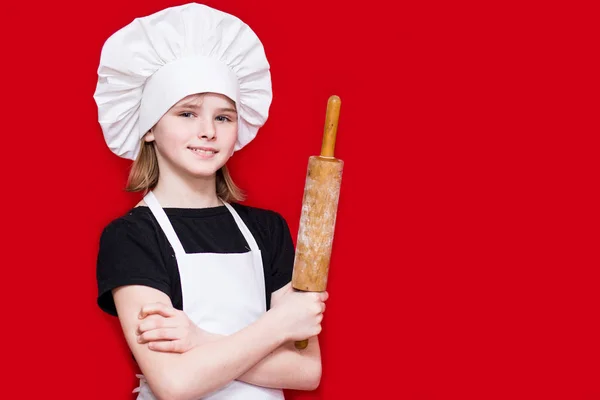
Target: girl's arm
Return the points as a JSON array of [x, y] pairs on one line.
[[287, 367], [167, 329], [212, 365]]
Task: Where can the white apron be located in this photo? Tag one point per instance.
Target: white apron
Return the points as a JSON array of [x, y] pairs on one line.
[[222, 293]]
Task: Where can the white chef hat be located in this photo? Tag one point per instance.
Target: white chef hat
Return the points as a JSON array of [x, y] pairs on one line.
[[149, 65]]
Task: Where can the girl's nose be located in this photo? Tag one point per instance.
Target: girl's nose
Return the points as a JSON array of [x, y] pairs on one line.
[[207, 131]]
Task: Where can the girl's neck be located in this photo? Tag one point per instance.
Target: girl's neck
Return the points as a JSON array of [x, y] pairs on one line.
[[180, 193]]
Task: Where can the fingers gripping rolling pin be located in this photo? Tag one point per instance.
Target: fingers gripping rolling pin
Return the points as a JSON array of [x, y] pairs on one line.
[[319, 211]]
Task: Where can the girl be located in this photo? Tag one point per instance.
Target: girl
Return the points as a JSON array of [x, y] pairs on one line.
[[200, 283]]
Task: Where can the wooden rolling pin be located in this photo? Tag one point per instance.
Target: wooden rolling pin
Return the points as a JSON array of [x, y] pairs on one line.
[[319, 211]]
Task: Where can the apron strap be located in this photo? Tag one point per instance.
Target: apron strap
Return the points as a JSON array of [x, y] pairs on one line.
[[164, 222], [243, 228]]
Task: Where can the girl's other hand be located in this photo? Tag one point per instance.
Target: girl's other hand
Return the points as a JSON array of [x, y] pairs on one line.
[[168, 329], [300, 314]]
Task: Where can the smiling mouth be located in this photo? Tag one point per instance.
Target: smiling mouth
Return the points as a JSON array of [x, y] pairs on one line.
[[201, 150]]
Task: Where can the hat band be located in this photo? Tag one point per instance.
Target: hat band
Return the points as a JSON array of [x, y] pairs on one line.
[[181, 78]]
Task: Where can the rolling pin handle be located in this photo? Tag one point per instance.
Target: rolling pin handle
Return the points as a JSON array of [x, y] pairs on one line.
[[332, 117], [301, 345]]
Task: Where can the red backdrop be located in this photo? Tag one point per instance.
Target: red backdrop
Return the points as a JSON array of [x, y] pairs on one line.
[[465, 262]]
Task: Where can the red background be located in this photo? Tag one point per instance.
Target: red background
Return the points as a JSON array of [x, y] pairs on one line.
[[465, 262]]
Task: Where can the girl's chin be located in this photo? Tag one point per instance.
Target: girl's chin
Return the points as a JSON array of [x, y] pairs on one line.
[[203, 171], [198, 168]]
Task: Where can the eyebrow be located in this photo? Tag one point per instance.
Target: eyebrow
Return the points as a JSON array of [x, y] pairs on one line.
[[227, 109], [196, 106]]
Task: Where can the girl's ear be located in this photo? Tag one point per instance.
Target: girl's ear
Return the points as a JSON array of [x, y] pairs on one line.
[[149, 136]]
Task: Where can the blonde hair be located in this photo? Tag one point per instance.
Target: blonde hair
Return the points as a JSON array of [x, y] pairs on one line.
[[144, 174]]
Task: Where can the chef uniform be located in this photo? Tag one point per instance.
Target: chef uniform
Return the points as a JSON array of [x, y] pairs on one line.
[[147, 67]]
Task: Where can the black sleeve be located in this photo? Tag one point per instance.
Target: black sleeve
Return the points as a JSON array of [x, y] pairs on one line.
[[282, 259], [127, 256]]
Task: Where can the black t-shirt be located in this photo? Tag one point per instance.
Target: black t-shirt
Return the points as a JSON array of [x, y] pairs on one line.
[[135, 251]]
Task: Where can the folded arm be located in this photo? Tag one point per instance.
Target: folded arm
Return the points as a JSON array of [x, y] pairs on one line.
[[287, 367], [263, 353]]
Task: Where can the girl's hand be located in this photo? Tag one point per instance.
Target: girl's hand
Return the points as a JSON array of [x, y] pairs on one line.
[[168, 329], [300, 314]]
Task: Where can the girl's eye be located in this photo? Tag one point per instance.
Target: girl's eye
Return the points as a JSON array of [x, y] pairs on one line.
[[223, 118], [186, 114]]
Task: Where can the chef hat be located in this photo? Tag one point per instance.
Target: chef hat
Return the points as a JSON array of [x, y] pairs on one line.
[[155, 61]]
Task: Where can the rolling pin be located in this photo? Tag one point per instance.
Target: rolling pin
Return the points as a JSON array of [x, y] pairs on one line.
[[319, 212]]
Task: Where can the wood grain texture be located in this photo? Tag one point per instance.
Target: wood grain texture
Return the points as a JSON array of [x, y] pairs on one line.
[[317, 223]]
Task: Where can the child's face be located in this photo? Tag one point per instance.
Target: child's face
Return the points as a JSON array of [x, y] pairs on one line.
[[197, 135]]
